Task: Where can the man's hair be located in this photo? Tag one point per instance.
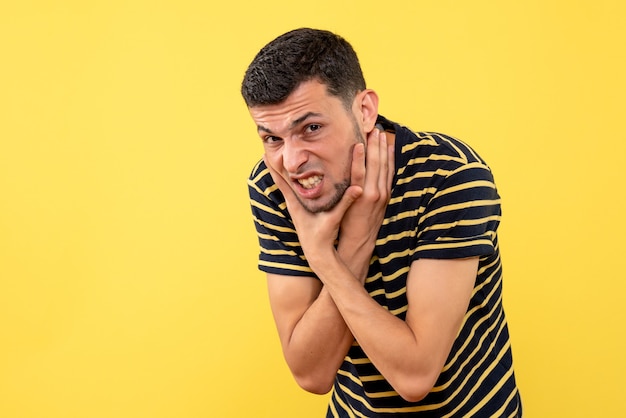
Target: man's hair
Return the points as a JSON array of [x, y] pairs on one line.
[[301, 55]]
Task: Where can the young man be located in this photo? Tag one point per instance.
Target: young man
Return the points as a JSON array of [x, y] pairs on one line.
[[379, 244]]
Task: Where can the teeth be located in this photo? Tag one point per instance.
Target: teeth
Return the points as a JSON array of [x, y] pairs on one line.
[[310, 182]]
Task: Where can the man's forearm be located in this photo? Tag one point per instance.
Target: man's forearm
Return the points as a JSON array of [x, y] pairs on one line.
[[387, 340], [320, 340], [317, 345], [409, 353], [356, 257]]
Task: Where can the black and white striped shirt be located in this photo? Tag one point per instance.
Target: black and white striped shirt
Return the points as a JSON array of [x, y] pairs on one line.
[[444, 205]]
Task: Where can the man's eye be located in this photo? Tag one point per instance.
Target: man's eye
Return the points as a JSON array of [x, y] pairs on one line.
[[313, 127], [271, 139]]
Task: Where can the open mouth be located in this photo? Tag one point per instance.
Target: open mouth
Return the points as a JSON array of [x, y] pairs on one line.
[[310, 182]]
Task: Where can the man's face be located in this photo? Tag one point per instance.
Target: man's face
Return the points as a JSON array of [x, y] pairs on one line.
[[308, 139]]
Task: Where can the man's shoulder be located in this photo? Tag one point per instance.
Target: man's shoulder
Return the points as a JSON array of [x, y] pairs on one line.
[[429, 159], [260, 178], [259, 170], [262, 189], [432, 142]]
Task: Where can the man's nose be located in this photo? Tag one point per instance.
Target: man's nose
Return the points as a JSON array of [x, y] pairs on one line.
[[294, 155]]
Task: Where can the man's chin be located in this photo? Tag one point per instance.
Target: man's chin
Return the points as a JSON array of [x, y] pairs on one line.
[[315, 207], [318, 205], [325, 203]]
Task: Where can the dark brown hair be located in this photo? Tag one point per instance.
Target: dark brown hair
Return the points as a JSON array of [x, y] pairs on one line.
[[301, 55]]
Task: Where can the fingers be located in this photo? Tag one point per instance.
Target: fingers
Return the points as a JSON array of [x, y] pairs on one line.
[[357, 175], [391, 165], [352, 193], [384, 163], [388, 166], [372, 162], [380, 166]]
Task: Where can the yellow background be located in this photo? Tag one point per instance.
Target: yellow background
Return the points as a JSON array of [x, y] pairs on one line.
[[128, 283]]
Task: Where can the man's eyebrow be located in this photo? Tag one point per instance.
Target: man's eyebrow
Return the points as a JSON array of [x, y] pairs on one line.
[[302, 118], [261, 128], [293, 124]]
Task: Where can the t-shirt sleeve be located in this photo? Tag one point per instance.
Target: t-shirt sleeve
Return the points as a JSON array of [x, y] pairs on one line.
[[280, 251], [462, 217]]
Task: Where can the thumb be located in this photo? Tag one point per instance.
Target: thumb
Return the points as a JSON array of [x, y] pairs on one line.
[[351, 194]]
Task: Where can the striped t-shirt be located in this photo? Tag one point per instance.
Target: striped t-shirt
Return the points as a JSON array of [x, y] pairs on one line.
[[444, 205]]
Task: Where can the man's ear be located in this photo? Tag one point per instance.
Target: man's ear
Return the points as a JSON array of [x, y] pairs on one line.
[[367, 102]]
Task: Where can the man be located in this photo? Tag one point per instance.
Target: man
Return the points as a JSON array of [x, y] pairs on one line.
[[379, 244]]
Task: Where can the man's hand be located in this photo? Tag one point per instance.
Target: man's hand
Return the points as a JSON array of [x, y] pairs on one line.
[[317, 232], [360, 211], [374, 174]]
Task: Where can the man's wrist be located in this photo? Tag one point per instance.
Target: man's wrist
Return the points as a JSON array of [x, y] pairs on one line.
[[322, 260]]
